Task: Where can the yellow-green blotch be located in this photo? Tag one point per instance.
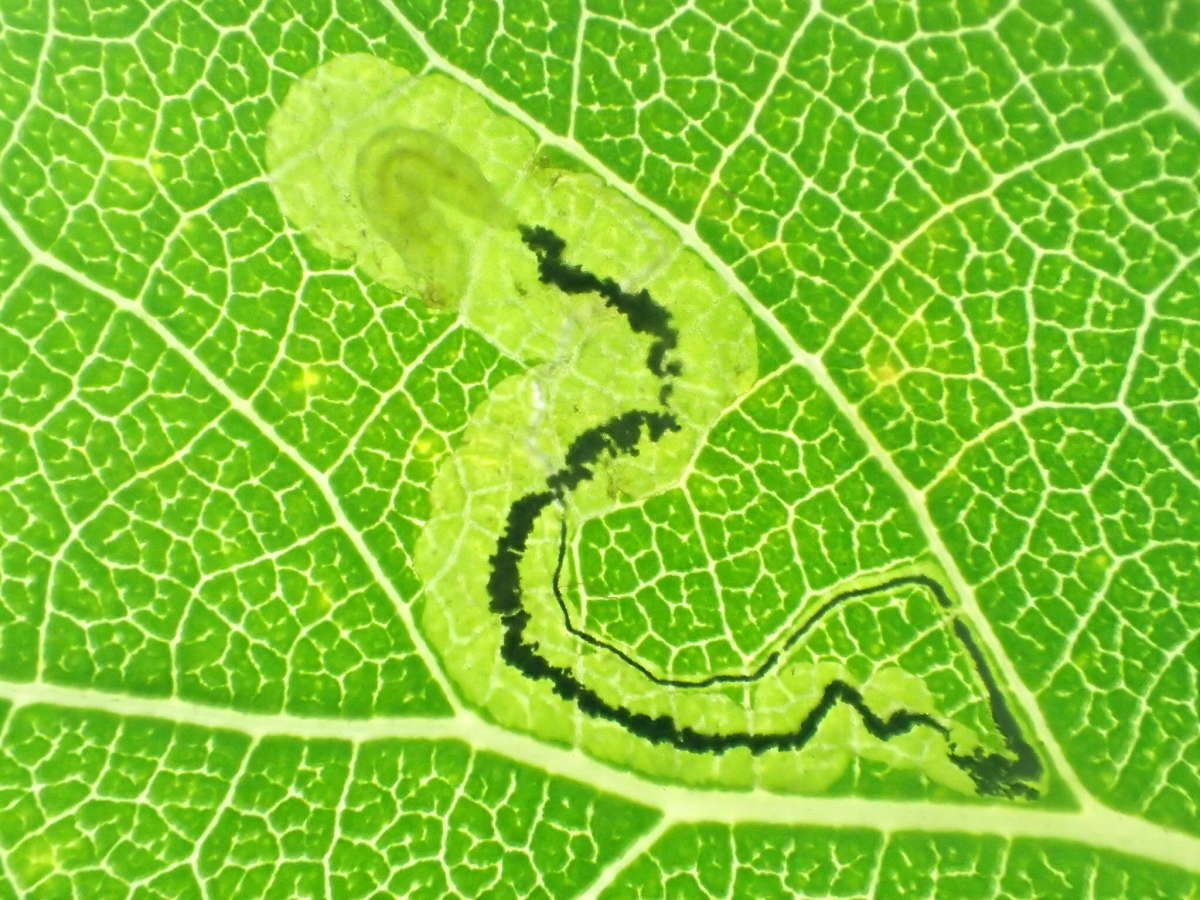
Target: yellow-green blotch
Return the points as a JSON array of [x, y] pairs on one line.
[[366, 160]]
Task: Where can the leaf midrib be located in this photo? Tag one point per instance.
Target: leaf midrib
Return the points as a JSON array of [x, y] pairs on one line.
[[1097, 827]]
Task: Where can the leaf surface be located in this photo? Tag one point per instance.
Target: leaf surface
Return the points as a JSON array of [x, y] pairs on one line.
[[964, 245]]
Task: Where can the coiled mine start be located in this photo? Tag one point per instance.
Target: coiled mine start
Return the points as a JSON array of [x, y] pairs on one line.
[[403, 176]]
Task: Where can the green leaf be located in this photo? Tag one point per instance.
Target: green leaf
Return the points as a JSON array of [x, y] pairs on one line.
[[728, 449]]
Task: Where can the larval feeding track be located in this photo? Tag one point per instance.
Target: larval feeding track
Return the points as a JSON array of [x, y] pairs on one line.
[[624, 375], [992, 773]]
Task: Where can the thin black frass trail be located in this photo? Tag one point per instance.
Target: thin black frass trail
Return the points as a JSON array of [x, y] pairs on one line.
[[993, 774]]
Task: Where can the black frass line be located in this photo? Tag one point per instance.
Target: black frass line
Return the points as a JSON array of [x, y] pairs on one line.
[[991, 773]]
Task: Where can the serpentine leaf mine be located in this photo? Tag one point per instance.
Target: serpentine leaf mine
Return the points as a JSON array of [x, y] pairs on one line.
[[604, 565]]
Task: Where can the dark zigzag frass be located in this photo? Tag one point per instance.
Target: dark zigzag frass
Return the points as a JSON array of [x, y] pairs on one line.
[[992, 773]]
